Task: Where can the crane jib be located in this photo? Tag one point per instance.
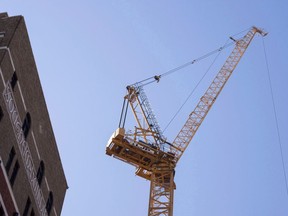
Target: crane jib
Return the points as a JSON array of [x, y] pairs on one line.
[[197, 116]]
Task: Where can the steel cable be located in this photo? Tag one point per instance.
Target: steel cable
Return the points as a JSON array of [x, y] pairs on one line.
[[276, 117]]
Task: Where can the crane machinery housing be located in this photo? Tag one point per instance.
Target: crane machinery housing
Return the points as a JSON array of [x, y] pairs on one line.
[[148, 150]]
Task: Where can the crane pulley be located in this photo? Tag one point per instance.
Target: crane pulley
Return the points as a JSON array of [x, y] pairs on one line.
[[148, 150]]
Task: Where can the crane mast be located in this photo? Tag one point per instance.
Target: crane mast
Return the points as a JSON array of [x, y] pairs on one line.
[[146, 148]]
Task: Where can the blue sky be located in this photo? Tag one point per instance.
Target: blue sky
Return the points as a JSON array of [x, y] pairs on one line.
[[88, 51]]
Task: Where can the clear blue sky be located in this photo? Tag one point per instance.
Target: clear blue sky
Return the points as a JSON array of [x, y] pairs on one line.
[[88, 51]]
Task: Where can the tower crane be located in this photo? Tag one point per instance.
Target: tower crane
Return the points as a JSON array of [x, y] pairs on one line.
[[146, 147]]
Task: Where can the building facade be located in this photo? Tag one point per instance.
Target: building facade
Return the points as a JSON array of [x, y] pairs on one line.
[[32, 179]]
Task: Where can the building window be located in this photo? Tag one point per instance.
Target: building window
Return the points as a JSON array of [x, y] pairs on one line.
[[49, 203], [40, 172], [32, 213], [26, 124], [2, 213], [10, 159], [1, 116], [14, 173], [27, 207], [14, 80]]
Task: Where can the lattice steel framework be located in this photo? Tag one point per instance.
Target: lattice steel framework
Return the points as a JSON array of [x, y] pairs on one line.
[[161, 190], [147, 123], [196, 117], [152, 161]]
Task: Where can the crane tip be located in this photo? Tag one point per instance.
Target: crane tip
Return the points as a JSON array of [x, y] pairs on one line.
[[260, 31]]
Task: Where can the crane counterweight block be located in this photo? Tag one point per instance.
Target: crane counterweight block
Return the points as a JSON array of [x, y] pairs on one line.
[[142, 155]]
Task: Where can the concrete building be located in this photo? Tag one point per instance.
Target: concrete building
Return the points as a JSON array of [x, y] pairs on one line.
[[32, 179]]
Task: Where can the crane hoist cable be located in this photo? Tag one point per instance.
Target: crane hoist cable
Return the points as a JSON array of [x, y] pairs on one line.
[[205, 56], [275, 117], [198, 83], [157, 78]]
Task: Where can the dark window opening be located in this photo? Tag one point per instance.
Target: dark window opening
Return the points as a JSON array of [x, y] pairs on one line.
[[49, 203], [26, 125], [2, 213], [14, 173], [14, 80], [32, 213], [10, 159], [27, 207], [40, 172], [1, 113]]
